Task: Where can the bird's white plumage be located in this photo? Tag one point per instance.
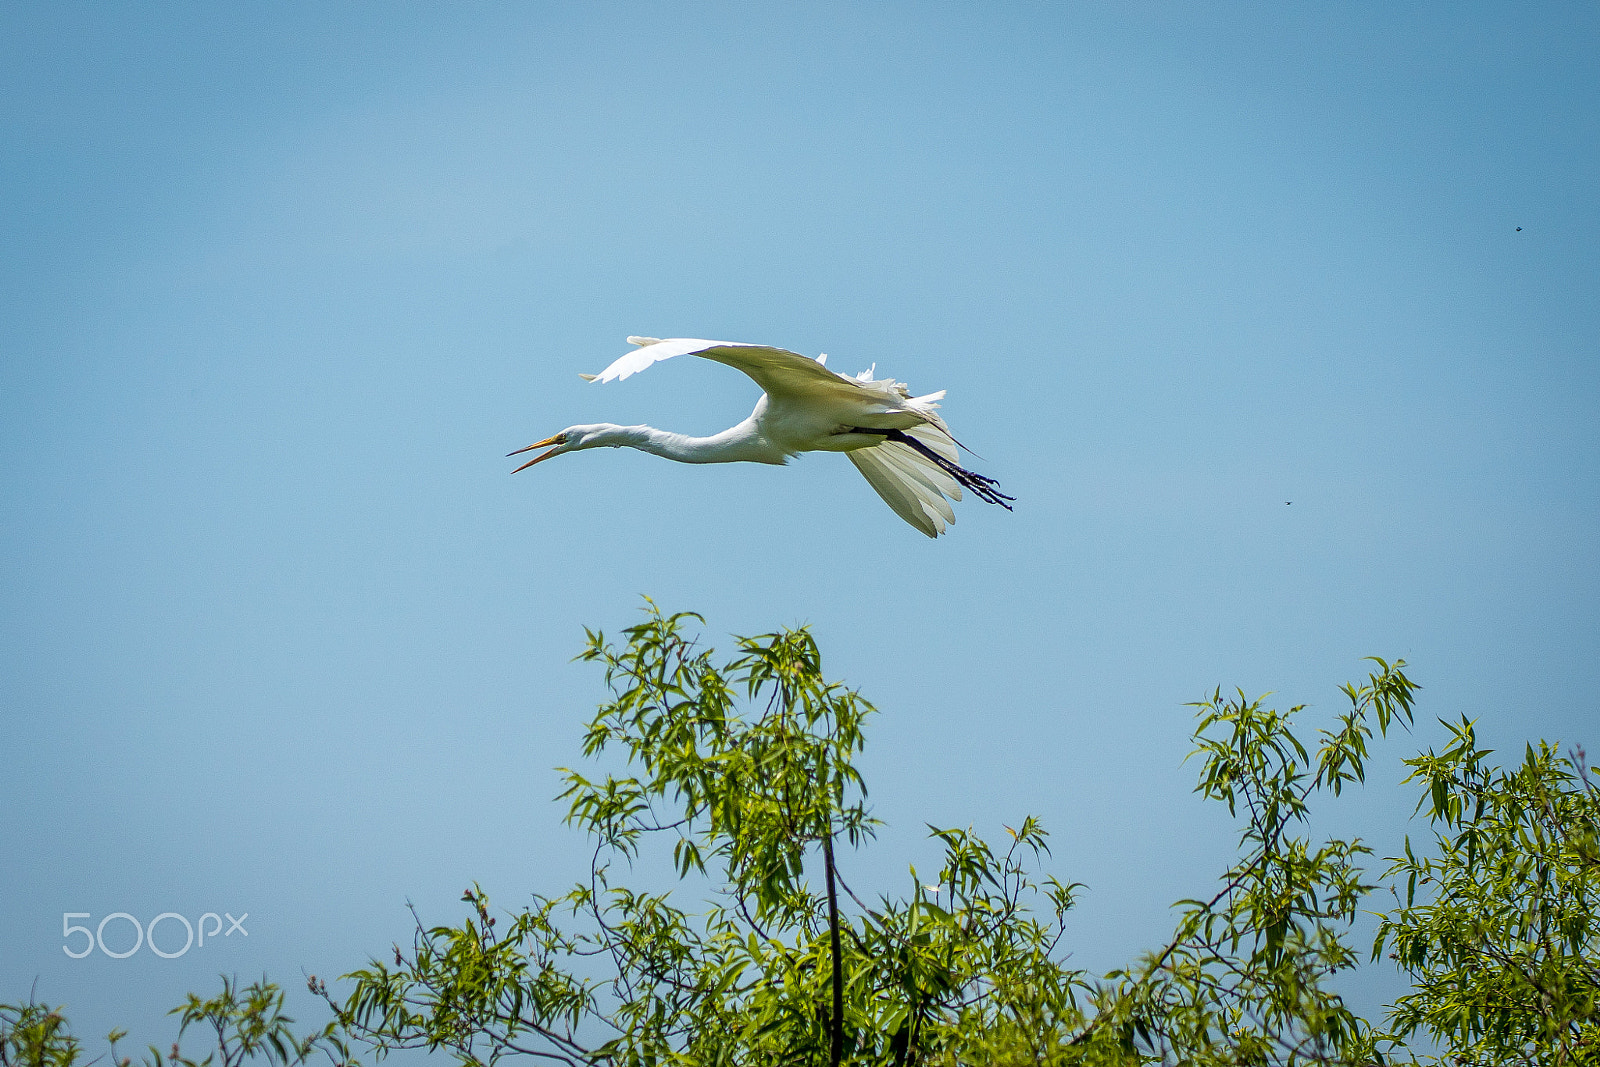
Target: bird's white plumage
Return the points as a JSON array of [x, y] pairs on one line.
[[910, 483], [898, 441], [782, 374]]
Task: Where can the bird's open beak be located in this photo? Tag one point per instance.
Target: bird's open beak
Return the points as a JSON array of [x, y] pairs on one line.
[[558, 439]]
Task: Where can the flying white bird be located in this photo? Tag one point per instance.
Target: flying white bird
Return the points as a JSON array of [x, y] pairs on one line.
[[896, 440]]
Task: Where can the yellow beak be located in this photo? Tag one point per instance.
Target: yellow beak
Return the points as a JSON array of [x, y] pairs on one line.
[[558, 439]]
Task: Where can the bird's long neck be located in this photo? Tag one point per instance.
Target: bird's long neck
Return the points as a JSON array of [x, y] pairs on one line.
[[741, 443]]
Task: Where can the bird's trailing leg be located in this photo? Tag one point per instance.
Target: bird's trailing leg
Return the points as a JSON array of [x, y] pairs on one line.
[[986, 489]]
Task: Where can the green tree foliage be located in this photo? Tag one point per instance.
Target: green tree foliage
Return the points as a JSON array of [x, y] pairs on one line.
[[242, 1024], [745, 768], [36, 1035], [1246, 977], [246, 1024], [739, 775], [1498, 928]]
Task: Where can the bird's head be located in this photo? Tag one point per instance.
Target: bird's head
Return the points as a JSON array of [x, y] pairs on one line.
[[571, 439]]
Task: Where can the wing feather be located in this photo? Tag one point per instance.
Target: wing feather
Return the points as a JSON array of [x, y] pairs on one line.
[[894, 491], [784, 376], [936, 435], [910, 483], [930, 484], [777, 370]]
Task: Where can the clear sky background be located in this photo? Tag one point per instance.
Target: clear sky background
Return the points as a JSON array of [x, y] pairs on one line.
[[280, 285]]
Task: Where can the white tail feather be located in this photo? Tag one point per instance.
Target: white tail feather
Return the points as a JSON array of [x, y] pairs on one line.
[[910, 483], [893, 491]]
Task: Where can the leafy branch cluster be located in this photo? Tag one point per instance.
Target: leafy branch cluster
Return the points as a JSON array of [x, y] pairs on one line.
[[244, 1023], [746, 767], [742, 770], [1245, 978], [1498, 926]]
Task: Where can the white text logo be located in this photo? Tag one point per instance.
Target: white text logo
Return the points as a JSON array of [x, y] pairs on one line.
[[146, 935]]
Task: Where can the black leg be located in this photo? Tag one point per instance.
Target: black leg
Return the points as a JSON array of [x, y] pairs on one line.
[[986, 489]]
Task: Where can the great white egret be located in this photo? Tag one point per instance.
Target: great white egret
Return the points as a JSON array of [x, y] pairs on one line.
[[896, 440]]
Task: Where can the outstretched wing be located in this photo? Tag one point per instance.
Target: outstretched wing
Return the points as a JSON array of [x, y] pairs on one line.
[[782, 375], [777, 370], [911, 483]]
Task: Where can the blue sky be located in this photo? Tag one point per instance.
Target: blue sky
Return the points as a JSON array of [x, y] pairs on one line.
[[283, 283]]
